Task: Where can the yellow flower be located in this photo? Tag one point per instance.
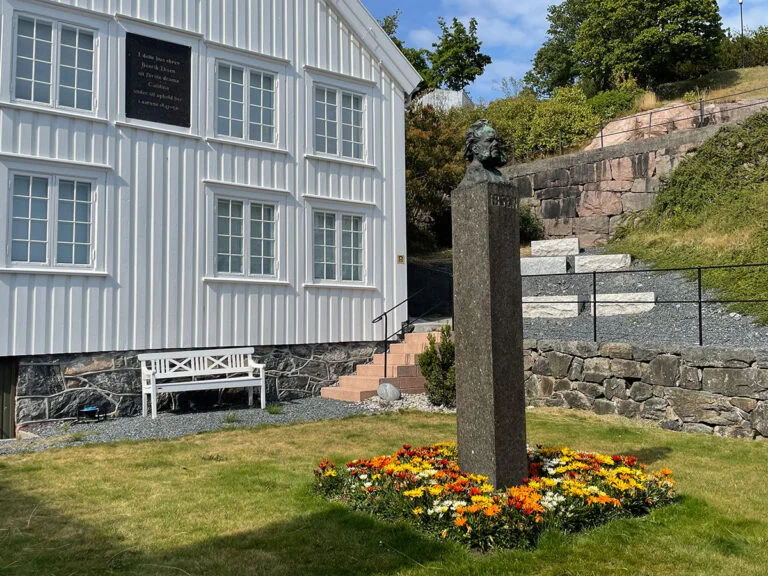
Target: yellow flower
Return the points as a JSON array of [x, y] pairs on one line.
[[418, 511], [415, 493], [436, 490], [487, 488], [330, 473]]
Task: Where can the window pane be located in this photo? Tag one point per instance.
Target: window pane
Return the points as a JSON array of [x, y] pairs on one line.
[[82, 254], [324, 246], [23, 89], [38, 230], [20, 229], [37, 252], [21, 186], [261, 107], [40, 187], [20, 251], [229, 240], [262, 238], [66, 232], [23, 68], [64, 253]]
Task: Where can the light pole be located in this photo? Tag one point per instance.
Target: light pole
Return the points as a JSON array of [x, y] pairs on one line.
[[741, 10]]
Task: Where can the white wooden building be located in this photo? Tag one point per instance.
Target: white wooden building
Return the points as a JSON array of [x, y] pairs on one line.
[[198, 173]]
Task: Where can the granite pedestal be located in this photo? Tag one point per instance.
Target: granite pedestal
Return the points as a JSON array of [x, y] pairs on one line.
[[489, 333]]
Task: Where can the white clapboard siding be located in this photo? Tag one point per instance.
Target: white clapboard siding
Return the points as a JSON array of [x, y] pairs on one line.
[[151, 286]]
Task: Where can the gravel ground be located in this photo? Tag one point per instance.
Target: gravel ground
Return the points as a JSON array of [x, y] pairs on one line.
[[670, 323], [170, 425], [407, 402]]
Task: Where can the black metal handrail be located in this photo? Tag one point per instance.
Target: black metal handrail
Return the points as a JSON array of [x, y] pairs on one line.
[[700, 301], [385, 316]]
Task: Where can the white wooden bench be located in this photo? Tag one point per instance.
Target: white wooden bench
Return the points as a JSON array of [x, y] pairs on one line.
[[199, 370]]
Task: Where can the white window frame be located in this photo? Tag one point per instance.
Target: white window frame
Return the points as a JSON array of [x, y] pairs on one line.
[[247, 200], [54, 177], [56, 28], [339, 214], [340, 92], [247, 70]]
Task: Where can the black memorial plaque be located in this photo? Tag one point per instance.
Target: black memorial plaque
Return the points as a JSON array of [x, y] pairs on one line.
[[157, 80]]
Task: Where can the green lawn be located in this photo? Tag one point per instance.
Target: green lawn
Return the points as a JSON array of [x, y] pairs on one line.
[[240, 502]]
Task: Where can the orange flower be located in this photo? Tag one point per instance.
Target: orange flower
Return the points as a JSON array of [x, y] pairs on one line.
[[492, 510], [460, 521]]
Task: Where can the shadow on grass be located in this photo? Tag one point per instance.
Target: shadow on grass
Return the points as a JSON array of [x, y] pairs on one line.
[[650, 455], [37, 539]]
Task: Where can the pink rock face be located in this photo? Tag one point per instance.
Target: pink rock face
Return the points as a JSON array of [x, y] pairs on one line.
[[558, 227], [598, 203]]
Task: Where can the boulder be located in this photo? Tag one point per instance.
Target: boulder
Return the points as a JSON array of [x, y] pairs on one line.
[[616, 388], [628, 408], [559, 364], [565, 247], [640, 391], [628, 369], [603, 407], [576, 399], [597, 369], [388, 392], [700, 407], [616, 350], [760, 418]]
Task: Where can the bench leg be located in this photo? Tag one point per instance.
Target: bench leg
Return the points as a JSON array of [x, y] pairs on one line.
[[154, 403], [143, 403], [263, 394], [250, 396]]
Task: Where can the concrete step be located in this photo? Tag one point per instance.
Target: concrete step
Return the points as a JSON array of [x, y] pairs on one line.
[[359, 382], [543, 266], [552, 306], [565, 247], [346, 395], [623, 304], [602, 263], [414, 385], [407, 348], [395, 359], [392, 371]]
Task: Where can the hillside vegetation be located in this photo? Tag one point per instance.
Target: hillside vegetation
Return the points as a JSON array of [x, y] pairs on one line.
[[714, 211]]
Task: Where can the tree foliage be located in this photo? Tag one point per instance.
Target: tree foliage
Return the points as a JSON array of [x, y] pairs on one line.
[[434, 167], [655, 41], [455, 62]]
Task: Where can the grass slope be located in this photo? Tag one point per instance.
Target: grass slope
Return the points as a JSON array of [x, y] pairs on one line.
[[720, 84], [714, 211], [240, 502]]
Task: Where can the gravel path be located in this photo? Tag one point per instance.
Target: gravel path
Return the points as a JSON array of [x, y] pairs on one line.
[[671, 323], [170, 425]]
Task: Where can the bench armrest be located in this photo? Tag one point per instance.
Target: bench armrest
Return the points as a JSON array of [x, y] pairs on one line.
[[253, 364]]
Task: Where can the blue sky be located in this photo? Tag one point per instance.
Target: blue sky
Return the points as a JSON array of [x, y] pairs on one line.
[[511, 30]]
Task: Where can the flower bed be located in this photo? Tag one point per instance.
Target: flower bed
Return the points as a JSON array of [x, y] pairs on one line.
[[566, 490]]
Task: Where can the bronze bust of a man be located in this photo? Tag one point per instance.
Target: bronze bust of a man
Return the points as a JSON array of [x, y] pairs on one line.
[[483, 152]]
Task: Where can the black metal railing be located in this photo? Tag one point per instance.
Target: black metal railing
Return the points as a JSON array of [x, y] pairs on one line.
[[696, 271], [406, 326]]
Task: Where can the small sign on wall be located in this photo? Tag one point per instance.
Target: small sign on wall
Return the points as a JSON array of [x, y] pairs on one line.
[[157, 80], [400, 259]]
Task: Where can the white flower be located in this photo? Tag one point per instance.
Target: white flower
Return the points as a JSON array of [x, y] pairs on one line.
[[368, 484], [363, 476]]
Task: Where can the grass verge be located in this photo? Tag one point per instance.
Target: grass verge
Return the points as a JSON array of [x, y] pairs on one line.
[[240, 502], [714, 211]]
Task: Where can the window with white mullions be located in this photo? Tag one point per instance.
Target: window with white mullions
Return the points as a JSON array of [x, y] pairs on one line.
[[351, 125], [51, 211], [29, 228], [261, 107], [262, 235], [230, 89], [73, 240], [34, 52], [329, 105], [326, 121], [229, 236], [352, 248], [76, 68], [324, 246]]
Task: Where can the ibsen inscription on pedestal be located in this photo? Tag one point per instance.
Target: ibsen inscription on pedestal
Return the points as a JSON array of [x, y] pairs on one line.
[[157, 80]]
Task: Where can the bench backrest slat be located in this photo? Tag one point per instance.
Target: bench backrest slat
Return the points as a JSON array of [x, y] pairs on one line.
[[198, 363]]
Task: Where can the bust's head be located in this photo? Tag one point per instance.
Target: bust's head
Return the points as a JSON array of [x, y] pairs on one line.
[[483, 145]]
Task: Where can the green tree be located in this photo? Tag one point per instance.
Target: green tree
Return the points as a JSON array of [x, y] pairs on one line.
[[457, 59], [566, 116], [555, 64], [434, 167], [654, 41]]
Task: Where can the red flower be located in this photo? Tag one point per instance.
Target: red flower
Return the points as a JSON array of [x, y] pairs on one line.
[[475, 491]]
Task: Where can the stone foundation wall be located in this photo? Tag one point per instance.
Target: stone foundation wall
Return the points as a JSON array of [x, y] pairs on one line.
[[54, 387], [589, 194], [708, 390]]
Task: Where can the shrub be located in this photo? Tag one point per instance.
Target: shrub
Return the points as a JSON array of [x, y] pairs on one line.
[[274, 408], [613, 103], [565, 490], [530, 225], [437, 366], [566, 115]]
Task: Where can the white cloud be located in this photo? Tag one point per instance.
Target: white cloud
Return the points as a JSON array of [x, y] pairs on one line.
[[422, 38]]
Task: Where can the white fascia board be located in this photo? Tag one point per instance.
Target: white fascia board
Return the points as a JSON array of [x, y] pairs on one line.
[[365, 26]]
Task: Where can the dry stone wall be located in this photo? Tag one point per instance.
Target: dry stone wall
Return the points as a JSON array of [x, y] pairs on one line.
[[708, 390], [52, 388], [589, 194]]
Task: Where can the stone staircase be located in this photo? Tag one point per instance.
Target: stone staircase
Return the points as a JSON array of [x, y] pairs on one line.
[[402, 372]]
